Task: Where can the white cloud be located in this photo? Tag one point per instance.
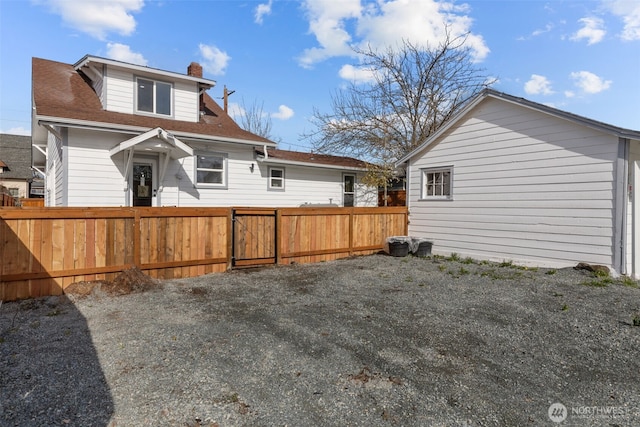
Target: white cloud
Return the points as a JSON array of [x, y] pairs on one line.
[[538, 85], [541, 31], [97, 17], [262, 10], [592, 31], [122, 52], [339, 25], [589, 82], [284, 113], [214, 60], [629, 11], [327, 21], [357, 74]]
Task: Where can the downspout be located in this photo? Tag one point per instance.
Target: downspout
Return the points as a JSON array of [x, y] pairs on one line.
[[620, 207], [266, 154], [625, 207]]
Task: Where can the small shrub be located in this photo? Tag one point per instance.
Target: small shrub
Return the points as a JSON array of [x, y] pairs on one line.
[[468, 260], [551, 272], [600, 273], [628, 281], [454, 257], [463, 271], [601, 282], [506, 264], [636, 320], [565, 307], [442, 267]]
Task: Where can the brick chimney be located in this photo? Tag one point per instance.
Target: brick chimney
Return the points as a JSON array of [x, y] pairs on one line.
[[194, 69]]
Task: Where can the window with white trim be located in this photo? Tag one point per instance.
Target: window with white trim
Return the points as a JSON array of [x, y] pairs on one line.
[[437, 183], [211, 169], [276, 179], [153, 97], [348, 190]]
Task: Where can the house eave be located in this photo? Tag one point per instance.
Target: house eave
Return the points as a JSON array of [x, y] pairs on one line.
[[118, 128], [90, 59], [491, 93], [276, 161]]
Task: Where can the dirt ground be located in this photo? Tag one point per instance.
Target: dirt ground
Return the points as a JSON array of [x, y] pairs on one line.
[[369, 341]]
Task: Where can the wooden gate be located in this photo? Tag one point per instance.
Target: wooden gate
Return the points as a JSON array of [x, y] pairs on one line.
[[254, 237]]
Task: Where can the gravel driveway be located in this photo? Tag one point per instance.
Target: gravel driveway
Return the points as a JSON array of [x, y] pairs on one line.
[[368, 341]]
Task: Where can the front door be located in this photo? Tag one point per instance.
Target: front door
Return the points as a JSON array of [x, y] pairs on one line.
[[143, 183]]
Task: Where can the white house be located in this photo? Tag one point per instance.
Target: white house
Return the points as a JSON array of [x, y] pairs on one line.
[[108, 133], [510, 179]]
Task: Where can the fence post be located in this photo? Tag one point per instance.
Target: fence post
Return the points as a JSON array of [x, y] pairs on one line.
[[351, 231], [137, 236], [229, 238], [278, 236]]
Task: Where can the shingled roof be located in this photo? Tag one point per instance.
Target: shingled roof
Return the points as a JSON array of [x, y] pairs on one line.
[[313, 158], [15, 153], [63, 94]]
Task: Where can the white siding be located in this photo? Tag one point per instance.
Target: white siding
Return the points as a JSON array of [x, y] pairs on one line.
[[55, 191], [246, 188], [527, 187], [119, 93], [95, 179], [185, 101]]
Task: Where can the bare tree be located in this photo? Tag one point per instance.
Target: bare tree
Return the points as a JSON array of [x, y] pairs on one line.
[[255, 120], [412, 92]]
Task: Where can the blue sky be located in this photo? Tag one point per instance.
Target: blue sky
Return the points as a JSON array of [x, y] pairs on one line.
[[290, 56]]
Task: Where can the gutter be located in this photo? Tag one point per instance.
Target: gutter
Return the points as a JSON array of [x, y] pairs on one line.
[[271, 160], [134, 130]]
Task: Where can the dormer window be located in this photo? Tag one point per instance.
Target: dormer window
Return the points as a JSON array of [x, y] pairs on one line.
[[153, 97]]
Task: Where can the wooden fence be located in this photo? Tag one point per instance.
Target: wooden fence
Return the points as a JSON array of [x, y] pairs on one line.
[[6, 199], [44, 250], [32, 203]]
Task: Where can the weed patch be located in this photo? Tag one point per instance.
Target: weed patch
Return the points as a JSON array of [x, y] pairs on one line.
[[454, 257]]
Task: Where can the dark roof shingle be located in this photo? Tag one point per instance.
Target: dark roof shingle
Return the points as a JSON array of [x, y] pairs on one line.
[[15, 153], [314, 158], [59, 91]]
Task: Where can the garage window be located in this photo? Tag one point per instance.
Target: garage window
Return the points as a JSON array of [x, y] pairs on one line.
[[437, 183]]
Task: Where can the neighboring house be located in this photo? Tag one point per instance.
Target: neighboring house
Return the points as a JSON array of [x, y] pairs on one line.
[[510, 179], [15, 164], [108, 133]]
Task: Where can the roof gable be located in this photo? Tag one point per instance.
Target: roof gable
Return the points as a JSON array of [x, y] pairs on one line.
[[503, 97], [62, 95], [88, 60]]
